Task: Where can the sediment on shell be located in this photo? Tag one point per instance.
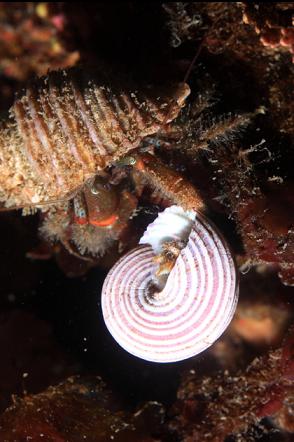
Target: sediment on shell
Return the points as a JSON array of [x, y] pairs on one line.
[[68, 126]]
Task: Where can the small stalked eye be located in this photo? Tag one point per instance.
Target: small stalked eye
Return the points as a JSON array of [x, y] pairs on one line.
[[98, 185], [126, 161], [198, 298], [95, 190]]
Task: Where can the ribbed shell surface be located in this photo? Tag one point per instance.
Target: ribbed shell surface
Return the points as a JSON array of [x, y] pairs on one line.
[[70, 125], [189, 314]]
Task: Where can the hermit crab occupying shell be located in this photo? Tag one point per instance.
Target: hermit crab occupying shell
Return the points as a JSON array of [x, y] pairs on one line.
[[169, 298], [69, 126], [169, 319], [66, 132]]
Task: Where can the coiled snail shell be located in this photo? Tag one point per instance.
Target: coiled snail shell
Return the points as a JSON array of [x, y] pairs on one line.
[[196, 304], [67, 127]]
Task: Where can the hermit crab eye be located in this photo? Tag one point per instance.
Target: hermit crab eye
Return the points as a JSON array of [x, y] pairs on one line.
[[95, 190], [132, 161], [126, 161], [99, 185]]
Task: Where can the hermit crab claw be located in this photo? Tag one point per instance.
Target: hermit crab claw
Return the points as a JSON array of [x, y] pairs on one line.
[[182, 91]]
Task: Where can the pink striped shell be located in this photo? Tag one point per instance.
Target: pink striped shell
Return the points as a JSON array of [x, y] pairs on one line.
[[195, 306]]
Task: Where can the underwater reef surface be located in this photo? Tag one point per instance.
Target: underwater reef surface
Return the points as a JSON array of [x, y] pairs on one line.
[[229, 142]]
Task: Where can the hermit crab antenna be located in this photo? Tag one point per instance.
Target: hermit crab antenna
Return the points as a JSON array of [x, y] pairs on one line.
[[188, 73], [192, 64]]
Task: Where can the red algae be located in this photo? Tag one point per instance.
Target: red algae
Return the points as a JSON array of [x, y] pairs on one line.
[[78, 409], [212, 408]]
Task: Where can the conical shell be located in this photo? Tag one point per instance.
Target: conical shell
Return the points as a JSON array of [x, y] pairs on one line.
[[72, 124], [189, 314]]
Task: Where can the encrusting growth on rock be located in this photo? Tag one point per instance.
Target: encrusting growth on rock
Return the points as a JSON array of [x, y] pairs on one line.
[[212, 408]]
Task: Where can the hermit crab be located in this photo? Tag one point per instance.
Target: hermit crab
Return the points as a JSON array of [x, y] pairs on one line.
[[64, 135], [64, 149]]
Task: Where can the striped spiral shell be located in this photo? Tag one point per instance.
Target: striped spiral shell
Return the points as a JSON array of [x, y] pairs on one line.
[[195, 306], [72, 124]]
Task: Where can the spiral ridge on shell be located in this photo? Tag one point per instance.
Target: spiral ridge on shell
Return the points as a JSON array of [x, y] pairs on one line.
[[189, 314], [68, 126]]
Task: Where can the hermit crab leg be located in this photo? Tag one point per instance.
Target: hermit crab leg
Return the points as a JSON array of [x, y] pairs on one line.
[[180, 191], [171, 183]]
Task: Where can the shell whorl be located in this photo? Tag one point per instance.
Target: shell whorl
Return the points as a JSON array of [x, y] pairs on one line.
[[68, 126], [193, 309]]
